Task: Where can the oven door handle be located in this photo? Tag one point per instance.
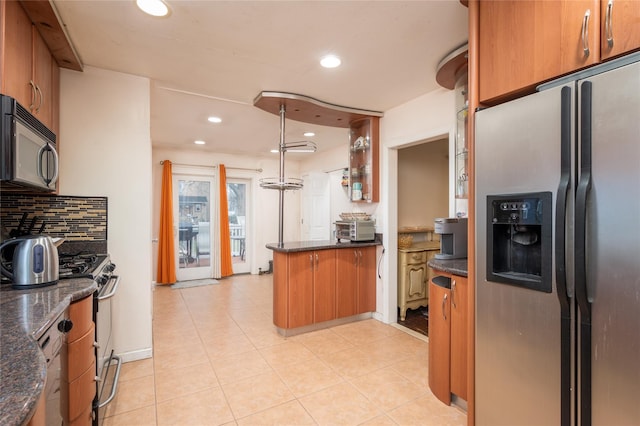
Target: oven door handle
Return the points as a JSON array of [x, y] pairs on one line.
[[116, 280], [114, 387]]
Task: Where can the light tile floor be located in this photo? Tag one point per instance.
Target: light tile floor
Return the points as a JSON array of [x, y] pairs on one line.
[[218, 360]]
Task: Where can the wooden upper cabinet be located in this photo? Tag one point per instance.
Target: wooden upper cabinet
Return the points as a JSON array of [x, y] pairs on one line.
[[620, 27], [43, 65], [17, 61], [523, 43], [29, 71]]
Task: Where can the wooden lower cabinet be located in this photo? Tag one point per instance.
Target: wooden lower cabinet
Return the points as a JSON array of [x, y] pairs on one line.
[[440, 341], [366, 280], [347, 282], [315, 286], [324, 285], [448, 313], [356, 281], [459, 315], [78, 364]]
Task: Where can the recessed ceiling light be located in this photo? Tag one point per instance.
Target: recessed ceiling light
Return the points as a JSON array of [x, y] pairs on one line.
[[199, 142], [275, 151], [214, 119], [330, 61], [309, 134], [153, 7]]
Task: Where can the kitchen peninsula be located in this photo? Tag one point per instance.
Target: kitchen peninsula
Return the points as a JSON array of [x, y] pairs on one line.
[[318, 284]]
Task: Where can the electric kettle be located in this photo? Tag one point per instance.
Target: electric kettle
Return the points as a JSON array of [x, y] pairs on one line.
[[35, 261]]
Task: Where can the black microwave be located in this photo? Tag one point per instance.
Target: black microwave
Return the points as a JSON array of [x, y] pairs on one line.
[[28, 155]]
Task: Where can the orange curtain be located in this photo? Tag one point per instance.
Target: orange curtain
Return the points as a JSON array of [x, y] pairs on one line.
[[166, 273], [226, 267]]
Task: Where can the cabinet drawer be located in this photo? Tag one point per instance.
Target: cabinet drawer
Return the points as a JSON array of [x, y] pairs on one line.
[[79, 355], [81, 314], [78, 395], [410, 258]]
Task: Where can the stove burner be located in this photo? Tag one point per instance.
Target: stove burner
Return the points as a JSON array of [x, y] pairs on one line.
[[80, 265]]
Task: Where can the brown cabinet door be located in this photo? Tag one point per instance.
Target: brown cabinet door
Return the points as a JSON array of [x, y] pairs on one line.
[[78, 356], [366, 280], [280, 290], [324, 285], [300, 289], [346, 282], [523, 43], [439, 342], [81, 315], [459, 315], [77, 395], [17, 60], [43, 78], [620, 27]]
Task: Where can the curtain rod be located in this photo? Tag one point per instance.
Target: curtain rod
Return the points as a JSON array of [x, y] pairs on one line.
[[214, 166]]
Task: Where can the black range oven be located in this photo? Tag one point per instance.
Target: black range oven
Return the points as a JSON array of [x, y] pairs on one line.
[[99, 268]]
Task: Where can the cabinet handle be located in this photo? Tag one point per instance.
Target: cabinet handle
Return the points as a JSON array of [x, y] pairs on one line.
[[355, 257], [34, 94], [311, 260], [38, 90], [585, 33], [453, 293], [444, 303], [608, 27], [316, 259]]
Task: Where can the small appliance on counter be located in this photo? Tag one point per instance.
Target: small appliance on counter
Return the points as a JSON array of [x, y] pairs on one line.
[[34, 261], [355, 227], [453, 237]]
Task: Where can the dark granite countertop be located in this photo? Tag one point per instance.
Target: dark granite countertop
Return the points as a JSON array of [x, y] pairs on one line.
[[296, 246], [24, 316], [452, 266]]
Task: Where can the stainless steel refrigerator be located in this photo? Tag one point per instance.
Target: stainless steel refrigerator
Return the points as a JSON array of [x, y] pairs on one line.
[[558, 253]]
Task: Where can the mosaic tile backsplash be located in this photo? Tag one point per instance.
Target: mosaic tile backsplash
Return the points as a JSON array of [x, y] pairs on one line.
[[74, 218]]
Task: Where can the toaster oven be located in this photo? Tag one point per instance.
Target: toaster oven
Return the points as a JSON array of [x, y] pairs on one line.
[[355, 230]]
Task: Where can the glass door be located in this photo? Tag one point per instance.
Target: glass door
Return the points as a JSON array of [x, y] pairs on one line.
[[238, 195], [192, 208]]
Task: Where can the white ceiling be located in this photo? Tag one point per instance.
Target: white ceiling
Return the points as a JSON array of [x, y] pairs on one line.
[[214, 57]]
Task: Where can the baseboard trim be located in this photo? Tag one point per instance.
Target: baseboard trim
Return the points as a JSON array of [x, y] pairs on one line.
[[136, 355]]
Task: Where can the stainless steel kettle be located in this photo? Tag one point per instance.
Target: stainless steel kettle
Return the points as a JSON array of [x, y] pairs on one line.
[[35, 261]]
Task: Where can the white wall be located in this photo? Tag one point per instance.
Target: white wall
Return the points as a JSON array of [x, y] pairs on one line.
[[332, 162], [423, 183], [264, 212], [425, 118], [105, 150]]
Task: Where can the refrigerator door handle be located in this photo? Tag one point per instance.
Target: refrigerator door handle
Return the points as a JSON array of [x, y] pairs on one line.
[[561, 199], [582, 297], [563, 293], [584, 186]]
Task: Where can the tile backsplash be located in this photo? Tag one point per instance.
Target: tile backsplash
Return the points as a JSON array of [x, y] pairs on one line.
[[74, 218]]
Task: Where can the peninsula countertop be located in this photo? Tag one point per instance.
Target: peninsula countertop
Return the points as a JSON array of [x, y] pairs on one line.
[[452, 266], [296, 246], [24, 316]]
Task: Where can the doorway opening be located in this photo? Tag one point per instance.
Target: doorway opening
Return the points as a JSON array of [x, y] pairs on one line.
[[423, 196], [192, 205], [238, 201]]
